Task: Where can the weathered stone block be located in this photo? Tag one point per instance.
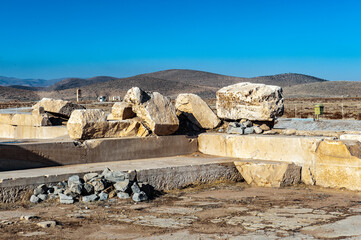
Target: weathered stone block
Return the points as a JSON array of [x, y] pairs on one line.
[[197, 111], [269, 174], [250, 101], [156, 111], [61, 107]]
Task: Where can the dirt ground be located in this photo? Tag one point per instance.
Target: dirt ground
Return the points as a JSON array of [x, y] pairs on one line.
[[216, 211]]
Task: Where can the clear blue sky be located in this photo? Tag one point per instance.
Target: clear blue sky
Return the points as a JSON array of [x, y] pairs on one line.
[[63, 38]]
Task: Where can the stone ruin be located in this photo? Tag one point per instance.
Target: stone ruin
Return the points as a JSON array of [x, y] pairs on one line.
[[243, 108]]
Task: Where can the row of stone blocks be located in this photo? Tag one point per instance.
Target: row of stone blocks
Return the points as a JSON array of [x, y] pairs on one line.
[[290, 159]]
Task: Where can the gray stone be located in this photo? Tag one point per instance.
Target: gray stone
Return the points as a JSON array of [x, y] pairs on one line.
[[123, 195], [47, 224], [90, 198], [249, 130], [139, 197], [114, 176], [41, 189], [68, 192], [66, 199], [34, 199], [74, 180], [62, 184], [103, 196], [58, 190], [247, 124], [257, 130], [88, 188], [122, 185], [99, 185], [234, 124], [235, 130], [42, 197], [89, 176], [76, 188], [135, 188]]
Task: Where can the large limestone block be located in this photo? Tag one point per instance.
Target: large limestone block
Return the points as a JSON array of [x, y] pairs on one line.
[[269, 174], [256, 102], [197, 111], [64, 108], [122, 111], [156, 111], [92, 123], [338, 164], [36, 120]]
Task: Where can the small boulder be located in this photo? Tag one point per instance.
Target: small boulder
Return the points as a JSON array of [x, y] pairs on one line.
[[103, 196], [34, 199], [41, 189], [114, 176], [135, 188], [139, 197], [250, 101], [89, 176], [90, 198], [74, 180], [122, 185], [156, 111], [123, 195], [257, 130], [197, 111], [65, 199], [99, 185], [42, 197]]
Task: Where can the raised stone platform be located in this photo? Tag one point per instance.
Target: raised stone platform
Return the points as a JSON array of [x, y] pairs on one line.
[[325, 162]]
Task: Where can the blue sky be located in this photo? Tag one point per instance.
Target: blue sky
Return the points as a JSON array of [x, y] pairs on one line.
[[61, 38]]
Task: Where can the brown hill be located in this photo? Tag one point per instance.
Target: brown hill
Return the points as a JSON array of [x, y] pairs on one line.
[[324, 89], [218, 80], [8, 93], [78, 82], [171, 83]]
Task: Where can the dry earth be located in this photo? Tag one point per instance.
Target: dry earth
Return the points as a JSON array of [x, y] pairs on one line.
[[218, 211]]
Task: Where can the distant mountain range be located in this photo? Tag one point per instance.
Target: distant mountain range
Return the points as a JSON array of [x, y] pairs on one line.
[[171, 83]]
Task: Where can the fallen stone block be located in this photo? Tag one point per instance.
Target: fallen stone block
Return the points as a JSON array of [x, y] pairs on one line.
[[122, 111], [156, 111], [89, 176], [92, 123], [60, 107], [114, 176], [197, 111], [250, 101], [41, 189], [269, 174]]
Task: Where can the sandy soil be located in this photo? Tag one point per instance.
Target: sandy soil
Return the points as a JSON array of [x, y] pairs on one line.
[[222, 211]]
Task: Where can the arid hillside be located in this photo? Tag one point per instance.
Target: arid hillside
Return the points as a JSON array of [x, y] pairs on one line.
[[175, 81]]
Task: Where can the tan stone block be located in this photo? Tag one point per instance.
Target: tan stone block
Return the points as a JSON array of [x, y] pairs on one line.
[[269, 174], [155, 111], [61, 107], [250, 101], [338, 164]]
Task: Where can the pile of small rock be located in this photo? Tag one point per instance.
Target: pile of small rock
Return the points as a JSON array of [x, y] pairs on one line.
[[93, 187], [244, 127]]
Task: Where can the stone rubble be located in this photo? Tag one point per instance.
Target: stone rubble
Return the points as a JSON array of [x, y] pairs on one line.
[[94, 187]]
